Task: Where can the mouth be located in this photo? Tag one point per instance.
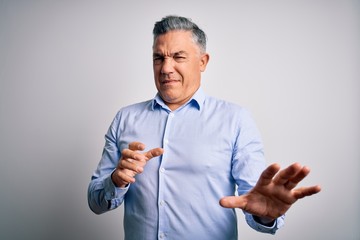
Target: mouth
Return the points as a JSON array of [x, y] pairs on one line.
[[169, 82]]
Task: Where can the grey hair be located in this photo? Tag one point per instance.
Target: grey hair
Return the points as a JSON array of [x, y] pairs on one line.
[[173, 22]]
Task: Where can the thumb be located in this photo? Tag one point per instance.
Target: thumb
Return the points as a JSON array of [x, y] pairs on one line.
[[233, 202]]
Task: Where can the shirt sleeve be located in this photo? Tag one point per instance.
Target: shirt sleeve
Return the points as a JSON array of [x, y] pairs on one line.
[[279, 222], [103, 195], [247, 165]]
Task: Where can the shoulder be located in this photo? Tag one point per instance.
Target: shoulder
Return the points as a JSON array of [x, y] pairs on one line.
[[224, 106], [227, 111], [136, 107], [133, 109]]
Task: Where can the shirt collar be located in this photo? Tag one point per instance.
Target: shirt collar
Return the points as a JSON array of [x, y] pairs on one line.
[[197, 100]]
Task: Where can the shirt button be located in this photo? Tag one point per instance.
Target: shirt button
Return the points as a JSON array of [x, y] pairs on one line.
[[171, 114], [162, 235], [162, 203], [162, 170], [166, 141]]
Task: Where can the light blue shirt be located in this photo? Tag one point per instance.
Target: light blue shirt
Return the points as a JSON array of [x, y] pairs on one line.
[[211, 149]]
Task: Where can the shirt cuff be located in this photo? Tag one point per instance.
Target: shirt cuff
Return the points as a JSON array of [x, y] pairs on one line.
[[114, 195], [278, 223]]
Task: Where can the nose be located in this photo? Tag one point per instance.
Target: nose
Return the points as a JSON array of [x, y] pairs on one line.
[[167, 66]]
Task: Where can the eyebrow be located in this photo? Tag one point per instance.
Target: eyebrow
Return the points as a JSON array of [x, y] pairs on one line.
[[180, 53], [172, 54]]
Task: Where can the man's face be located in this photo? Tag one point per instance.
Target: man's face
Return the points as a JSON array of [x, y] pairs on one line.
[[177, 63]]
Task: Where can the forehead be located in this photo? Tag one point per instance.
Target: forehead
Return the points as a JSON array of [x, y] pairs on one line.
[[175, 41]]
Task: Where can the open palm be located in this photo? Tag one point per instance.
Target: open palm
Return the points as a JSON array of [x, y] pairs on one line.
[[274, 192]]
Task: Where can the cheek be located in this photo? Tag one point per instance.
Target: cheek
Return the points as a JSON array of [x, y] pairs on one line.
[[156, 69], [184, 72], [156, 72], [191, 75]]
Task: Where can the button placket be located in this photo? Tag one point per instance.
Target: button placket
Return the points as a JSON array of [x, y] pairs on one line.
[[163, 223]]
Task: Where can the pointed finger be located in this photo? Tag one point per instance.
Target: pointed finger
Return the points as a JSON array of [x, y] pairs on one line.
[[155, 152]]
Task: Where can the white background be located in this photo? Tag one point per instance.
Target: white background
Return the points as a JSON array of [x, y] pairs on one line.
[[66, 67]]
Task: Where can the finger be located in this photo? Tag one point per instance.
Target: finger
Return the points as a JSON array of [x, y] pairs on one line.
[[131, 155], [301, 174], [136, 146], [122, 177], [233, 202], [306, 191], [268, 174], [155, 152], [128, 176], [131, 164], [292, 183], [287, 174]]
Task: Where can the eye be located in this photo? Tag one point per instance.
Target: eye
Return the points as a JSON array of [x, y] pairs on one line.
[[158, 60], [179, 58]]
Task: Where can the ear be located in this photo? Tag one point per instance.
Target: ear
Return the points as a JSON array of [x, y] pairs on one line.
[[204, 61]]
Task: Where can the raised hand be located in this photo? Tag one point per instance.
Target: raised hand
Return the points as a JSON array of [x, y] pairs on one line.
[[132, 162], [274, 192]]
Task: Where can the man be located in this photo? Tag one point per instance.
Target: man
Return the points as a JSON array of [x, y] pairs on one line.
[[173, 158]]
